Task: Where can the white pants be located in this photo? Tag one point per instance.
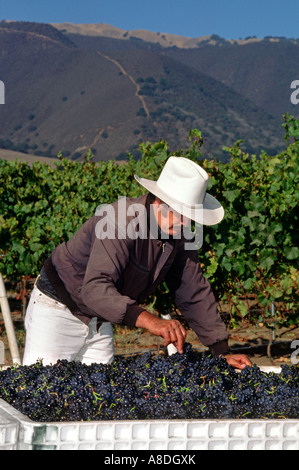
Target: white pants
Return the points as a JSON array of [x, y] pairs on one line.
[[53, 333]]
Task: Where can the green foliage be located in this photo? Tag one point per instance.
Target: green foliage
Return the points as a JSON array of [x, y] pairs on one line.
[[255, 249], [249, 258]]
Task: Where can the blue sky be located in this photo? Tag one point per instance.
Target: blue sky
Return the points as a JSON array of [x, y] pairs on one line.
[[231, 19]]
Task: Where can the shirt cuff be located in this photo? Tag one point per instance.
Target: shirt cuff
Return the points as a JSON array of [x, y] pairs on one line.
[[132, 314], [221, 347]]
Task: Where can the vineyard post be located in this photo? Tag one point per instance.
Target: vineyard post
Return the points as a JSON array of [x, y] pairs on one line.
[[273, 333], [13, 345]]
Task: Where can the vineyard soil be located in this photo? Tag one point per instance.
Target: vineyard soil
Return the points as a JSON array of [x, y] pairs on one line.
[[247, 339]]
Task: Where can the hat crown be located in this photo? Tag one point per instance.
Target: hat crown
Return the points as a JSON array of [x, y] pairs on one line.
[[184, 181]]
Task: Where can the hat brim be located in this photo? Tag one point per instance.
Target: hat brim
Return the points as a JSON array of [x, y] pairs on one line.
[[210, 212]]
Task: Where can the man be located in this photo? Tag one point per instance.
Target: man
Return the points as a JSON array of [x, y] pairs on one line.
[[116, 260]]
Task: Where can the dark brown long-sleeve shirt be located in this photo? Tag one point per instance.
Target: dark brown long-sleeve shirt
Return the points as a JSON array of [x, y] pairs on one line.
[[108, 272]]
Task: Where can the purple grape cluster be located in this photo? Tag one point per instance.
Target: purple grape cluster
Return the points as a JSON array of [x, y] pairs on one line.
[[191, 385]]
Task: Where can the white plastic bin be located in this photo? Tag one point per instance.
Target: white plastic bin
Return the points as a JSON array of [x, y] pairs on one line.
[[9, 431], [17, 432]]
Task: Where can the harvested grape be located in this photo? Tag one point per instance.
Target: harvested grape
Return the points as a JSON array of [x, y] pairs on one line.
[[191, 385]]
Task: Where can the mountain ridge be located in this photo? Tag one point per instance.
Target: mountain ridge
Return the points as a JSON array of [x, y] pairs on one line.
[[163, 39]]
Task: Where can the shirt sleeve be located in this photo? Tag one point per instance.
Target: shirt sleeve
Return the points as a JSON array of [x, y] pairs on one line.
[[102, 282], [196, 301]]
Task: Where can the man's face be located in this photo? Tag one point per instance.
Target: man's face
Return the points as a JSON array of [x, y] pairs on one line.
[[169, 221]]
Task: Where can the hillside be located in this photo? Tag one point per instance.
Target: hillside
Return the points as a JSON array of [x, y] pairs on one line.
[[11, 155], [70, 92], [61, 98], [261, 71]]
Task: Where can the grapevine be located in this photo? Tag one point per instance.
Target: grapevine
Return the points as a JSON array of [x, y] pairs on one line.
[[250, 257]]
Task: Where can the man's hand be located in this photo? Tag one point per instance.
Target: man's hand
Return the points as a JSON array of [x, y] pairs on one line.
[[171, 330], [239, 361]]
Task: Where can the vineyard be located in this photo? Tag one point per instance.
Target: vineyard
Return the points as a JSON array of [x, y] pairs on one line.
[[250, 258]]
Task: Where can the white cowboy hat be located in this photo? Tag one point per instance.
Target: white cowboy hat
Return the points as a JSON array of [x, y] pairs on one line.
[[182, 185]]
